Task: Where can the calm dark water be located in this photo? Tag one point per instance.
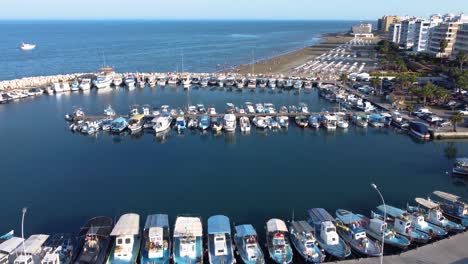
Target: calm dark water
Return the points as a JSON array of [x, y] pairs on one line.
[[203, 46]]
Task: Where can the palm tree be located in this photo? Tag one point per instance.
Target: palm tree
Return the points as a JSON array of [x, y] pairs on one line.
[[375, 82], [428, 91], [462, 58], [456, 119], [441, 93], [343, 77]]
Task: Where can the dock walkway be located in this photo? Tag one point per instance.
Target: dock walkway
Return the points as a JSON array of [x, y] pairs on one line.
[[452, 250]]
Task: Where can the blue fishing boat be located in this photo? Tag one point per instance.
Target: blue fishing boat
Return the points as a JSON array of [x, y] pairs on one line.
[[188, 240], [180, 124], [325, 232], [127, 240], [204, 122], [376, 227], [433, 214], [303, 238], [314, 121], [7, 235], [247, 245], [376, 120], [453, 207], [118, 125], [220, 248], [351, 230], [156, 244], [278, 242]]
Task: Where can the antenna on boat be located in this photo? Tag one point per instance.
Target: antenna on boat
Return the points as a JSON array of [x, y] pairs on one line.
[[22, 227]]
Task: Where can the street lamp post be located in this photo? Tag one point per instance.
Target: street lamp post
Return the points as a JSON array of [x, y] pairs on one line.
[[22, 227], [385, 218]]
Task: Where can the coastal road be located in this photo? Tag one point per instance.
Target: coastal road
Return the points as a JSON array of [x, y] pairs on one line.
[[453, 250]]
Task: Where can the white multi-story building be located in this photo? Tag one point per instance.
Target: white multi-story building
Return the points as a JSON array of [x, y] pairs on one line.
[[422, 32], [445, 32], [408, 29], [394, 33], [461, 42]]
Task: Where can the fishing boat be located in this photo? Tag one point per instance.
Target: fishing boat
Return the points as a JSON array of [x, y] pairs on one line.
[[109, 112], [308, 85], [135, 123], [288, 84], [269, 108], [94, 241], [230, 108], [163, 123], [117, 81], [118, 125], [204, 82], [173, 80], [460, 166], [188, 241], [360, 120], [303, 108], [230, 81], [204, 122], [90, 127], [272, 83], [249, 108], [211, 111], [31, 250], [280, 83], [216, 124], [247, 245], [283, 121], [259, 108], [260, 122], [220, 247], [349, 227], [241, 83], [213, 81], [229, 122], [201, 109], [59, 249], [301, 121], [9, 244], [75, 86], [7, 236], [419, 130], [329, 121], [244, 123], [376, 228], [180, 124], [127, 240], [303, 238], [192, 123], [326, 235], [402, 225], [433, 214], [129, 81], [252, 83], [141, 83], [298, 84], [314, 121], [27, 46], [278, 244], [192, 110], [103, 81], [453, 207], [376, 120], [85, 84], [156, 243], [78, 114], [262, 83], [272, 123]]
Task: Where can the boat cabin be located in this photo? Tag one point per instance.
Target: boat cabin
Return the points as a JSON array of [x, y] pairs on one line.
[[157, 230], [461, 166], [402, 224], [219, 229], [186, 230], [377, 225], [328, 233], [32, 251], [125, 232], [8, 247]]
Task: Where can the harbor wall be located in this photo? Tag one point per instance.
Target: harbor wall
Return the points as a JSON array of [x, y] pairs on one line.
[[38, 81], [449, 135]]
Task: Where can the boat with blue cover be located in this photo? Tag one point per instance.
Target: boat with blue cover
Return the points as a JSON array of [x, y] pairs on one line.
[[118, 125], [204, 122], [303, 238], [180, 123], [7, 236], [453, 207], [376, 227], [94, 241], [417, 221], [351, 230], [314, 121], [156, 245], [188, 240], [247, 245], [127, 240], [326, 235], [376, 120], [278, 243], [220, 247], [433, 214]]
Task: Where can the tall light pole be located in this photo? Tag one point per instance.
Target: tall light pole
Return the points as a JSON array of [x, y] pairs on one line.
[[385, 220], [22, 227]]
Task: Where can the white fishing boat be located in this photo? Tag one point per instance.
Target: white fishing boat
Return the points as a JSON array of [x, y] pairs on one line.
[[259, 108], [249, 108], [31, 251], [252, 83], [229, 122], [8, 247], [260, 122], [187, 81], [188, 240], [173, 80], [117, 81], [135, 123], [272, 83], [56, 87], [103, 81], [163, 123], [244, 123], [27, 46], [283, 121], [127, 238], [161, 80], [85, 84], [129, 81]]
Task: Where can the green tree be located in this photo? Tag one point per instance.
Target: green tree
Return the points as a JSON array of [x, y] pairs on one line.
[[428, 91], [456, 119], [441, 93], [461, 80], [375, 82], [443, 45], [462, 58], [344, 77], [410, 108]]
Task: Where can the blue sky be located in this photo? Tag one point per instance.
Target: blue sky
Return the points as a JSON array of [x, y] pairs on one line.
[[224, 9]]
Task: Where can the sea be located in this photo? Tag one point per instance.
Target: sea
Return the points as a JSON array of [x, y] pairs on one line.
[[65, 178]]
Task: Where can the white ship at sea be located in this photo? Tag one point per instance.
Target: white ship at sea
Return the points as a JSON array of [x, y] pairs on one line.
[[27, 46]]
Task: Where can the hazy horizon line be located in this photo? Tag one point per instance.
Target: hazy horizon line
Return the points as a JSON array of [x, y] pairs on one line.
[[183, 19]]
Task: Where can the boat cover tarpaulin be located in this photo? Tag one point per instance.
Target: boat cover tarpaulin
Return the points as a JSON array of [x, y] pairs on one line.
[[119, 120], [391, 211], [128, 225], [426, 203], [347, 217], [219, 224], [318, 215], [10, 245], [157, 220], [188, 226], [101, 226], [33, 244], [447, 196], [276, 225], [245, 230], [302, 226]]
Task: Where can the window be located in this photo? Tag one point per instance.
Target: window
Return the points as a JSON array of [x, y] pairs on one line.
[[127, 241], [119, 241]]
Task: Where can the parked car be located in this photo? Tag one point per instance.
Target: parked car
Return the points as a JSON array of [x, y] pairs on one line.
[[421, 112], [433, 118], [463, 111]]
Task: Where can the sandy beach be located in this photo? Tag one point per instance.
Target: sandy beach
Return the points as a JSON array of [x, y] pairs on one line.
[[284, 64]]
